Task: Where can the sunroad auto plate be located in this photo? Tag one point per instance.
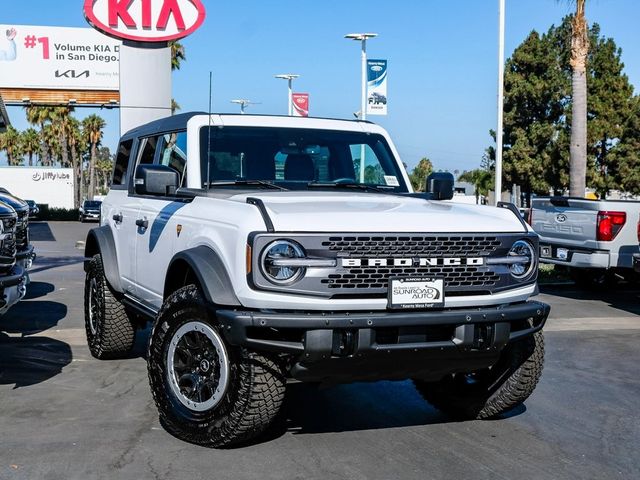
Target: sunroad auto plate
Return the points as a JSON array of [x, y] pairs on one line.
[[412, 293]]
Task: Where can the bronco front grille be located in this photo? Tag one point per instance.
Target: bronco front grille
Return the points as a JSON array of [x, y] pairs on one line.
[[366, 262], [412, 245]]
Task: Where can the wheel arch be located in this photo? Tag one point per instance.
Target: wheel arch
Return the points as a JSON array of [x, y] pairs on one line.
[[100, 240], [203, 265]]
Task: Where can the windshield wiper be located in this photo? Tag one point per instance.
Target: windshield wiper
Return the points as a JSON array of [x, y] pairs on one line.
[[352, 185], [262, 183]]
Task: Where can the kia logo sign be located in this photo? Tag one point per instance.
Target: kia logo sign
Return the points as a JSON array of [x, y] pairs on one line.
[[145, 20]]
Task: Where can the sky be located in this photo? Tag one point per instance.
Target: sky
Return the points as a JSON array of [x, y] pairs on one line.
[[443, 58]]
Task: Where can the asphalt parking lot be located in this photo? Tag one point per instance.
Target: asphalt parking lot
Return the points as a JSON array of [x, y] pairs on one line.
[[65, 415]]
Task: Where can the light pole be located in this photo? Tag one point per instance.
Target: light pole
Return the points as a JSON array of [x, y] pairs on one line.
[[289, 77], [244, 103], [499, 131], [362, 38]]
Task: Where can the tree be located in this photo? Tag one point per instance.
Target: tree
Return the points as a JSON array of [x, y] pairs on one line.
[[626, 154], [538, 110], [178, 55], [30, 142], [104, 167], [77, 146], [420, 173], [10, 143], [481, 179], [579, 52], [60, 123], [40, 116], [92, 127]]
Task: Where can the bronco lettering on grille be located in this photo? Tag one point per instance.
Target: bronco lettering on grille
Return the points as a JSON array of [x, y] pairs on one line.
[[410, 262]]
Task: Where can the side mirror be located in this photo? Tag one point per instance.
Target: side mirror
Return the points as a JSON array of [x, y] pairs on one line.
[[156, 180], [440, 185]]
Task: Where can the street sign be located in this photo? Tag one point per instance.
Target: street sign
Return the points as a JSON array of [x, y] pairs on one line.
[[376, 87], [300, 104], [147, 21]]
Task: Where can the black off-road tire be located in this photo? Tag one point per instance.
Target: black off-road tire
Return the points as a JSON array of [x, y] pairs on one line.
[[112, 334], [255, 389], [495, 391]]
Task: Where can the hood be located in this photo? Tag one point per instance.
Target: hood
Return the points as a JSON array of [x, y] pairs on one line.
[[6, 210], [372, 212], [17, 204]]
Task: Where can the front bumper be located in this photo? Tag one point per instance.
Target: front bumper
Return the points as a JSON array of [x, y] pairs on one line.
[[385, 345], [636, 262], [12, 288], [25, 257]]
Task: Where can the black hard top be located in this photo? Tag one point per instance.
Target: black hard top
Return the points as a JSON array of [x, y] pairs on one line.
[[179, 122]]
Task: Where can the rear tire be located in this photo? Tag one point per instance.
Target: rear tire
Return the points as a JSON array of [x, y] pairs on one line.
[[491, 392], [110, 330], [228, 400]]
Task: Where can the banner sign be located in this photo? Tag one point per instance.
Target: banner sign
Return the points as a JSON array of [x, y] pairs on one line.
[[145, 20], [376, 87], [58, 58], [300, 104]]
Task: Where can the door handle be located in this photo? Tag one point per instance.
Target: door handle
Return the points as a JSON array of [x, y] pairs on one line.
[[117, 218], [142, 223]]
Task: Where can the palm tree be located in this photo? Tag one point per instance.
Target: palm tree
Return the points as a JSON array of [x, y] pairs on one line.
[[578, 150], [52, 142], [60, 120], [92, 128], [10, 143], [177, 55], [481, 180], [40, 116], [77, 147], [30, 141]]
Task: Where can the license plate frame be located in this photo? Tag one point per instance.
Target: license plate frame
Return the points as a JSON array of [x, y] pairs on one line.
[[411, 293]]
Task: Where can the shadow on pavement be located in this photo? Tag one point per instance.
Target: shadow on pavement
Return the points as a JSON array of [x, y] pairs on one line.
[[49, 263], [41, 232], [28, 360], [38, 289], [623, 296]]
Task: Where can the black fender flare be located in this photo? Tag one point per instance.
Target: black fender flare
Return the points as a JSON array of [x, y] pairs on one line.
[[210, 271], [100, 240]]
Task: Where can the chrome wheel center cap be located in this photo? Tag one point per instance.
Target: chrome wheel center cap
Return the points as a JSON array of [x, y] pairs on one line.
[[204, 366]]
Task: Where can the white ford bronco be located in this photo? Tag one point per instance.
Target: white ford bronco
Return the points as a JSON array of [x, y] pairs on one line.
[[271, 248]]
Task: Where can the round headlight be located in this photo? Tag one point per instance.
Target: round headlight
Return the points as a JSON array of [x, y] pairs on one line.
[[278, 273], [527, 259]]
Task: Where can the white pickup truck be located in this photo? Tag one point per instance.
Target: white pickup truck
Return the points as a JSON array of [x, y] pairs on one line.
[[596, 239]]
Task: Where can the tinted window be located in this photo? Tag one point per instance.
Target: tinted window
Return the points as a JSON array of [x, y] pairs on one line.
[[122, 162], [174, 152], [148, 151], [296, 157]]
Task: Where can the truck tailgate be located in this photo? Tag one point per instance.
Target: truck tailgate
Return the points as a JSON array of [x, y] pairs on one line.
[[565, 220]]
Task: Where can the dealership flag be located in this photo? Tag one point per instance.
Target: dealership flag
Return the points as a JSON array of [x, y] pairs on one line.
[[300, 104], [376, 87]]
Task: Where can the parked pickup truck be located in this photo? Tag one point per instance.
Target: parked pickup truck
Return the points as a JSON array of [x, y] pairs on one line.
[[596, 239]]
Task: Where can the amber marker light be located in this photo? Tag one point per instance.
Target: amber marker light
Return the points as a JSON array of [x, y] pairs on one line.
[[248, 259]]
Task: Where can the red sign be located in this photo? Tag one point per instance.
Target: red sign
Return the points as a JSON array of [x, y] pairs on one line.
[[145, 20], [300, 104]]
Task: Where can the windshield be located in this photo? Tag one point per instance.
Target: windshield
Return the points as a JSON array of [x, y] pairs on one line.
[[92, 204], [297, 159]]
